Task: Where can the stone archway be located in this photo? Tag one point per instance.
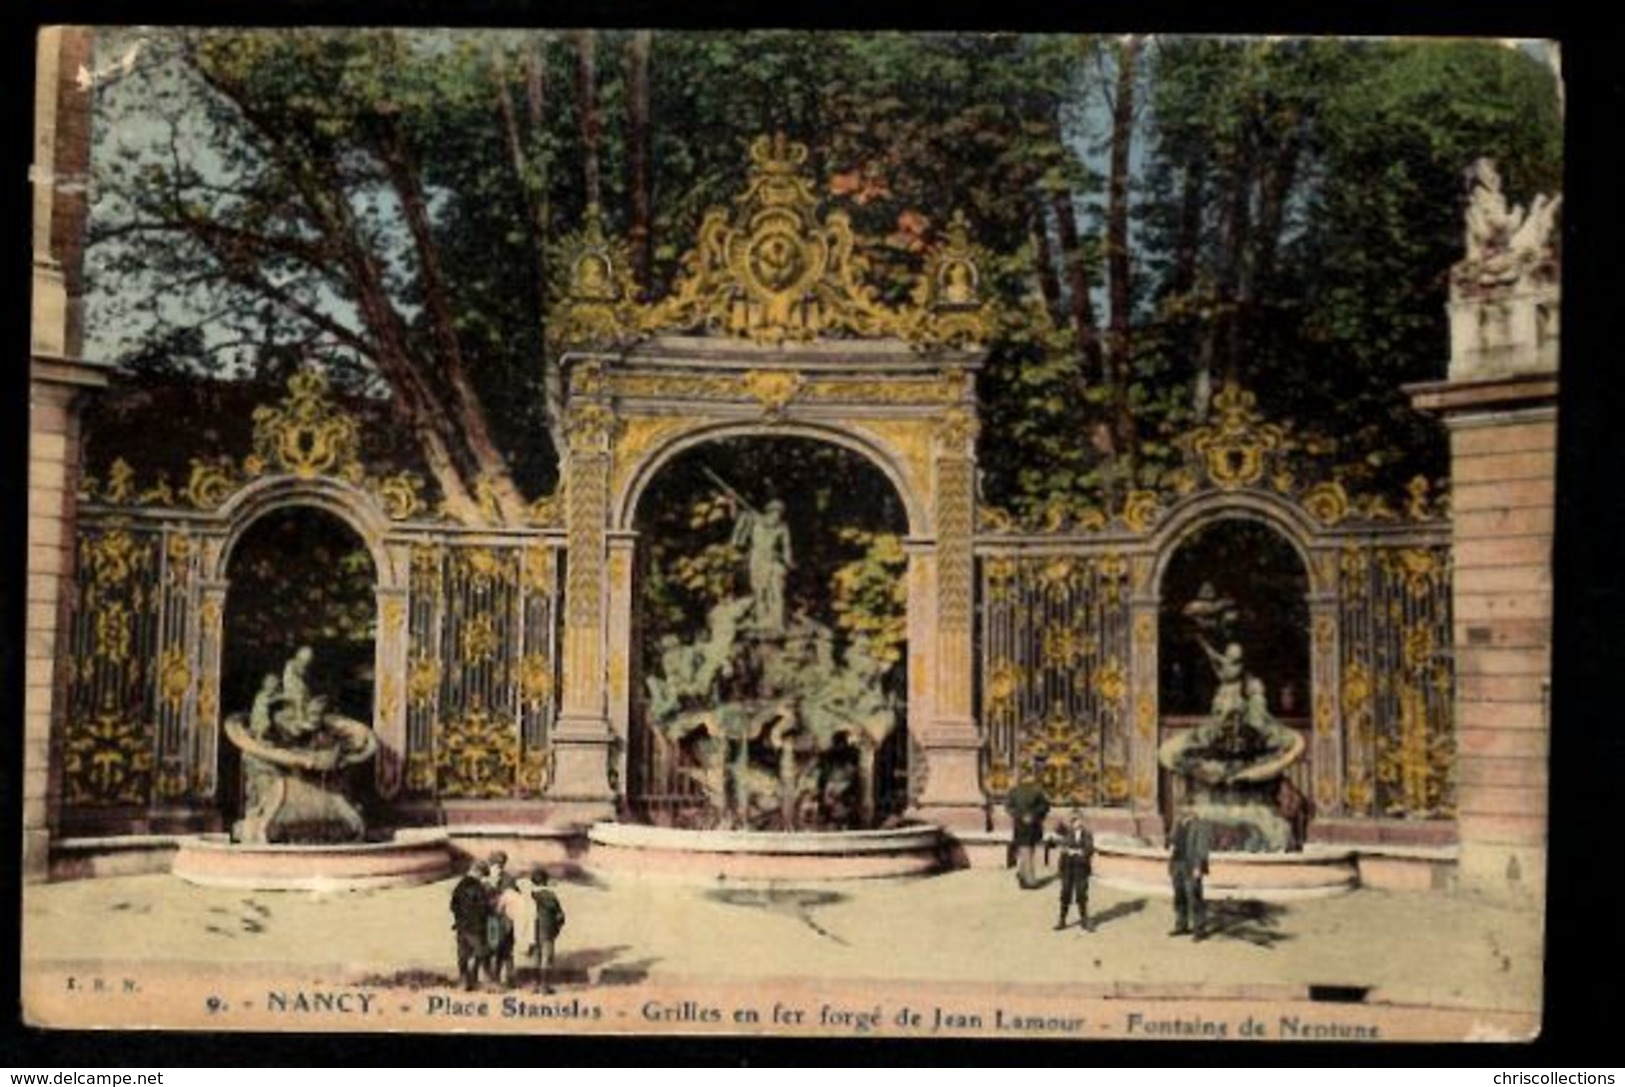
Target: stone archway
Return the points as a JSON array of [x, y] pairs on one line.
[[738, 344], [298, 575], [913, 416], [1256, 580], [841, 613]]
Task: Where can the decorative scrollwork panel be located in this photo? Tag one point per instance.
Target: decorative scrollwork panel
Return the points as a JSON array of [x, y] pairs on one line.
[[1397, 684], [116, 671], [1055, 674]]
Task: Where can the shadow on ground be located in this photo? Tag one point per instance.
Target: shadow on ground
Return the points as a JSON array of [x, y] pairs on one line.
[[1256, 923], [1117, 912], [574, 968], [796, 902]]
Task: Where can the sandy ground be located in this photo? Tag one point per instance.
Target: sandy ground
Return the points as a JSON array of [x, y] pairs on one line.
[[966, 926]]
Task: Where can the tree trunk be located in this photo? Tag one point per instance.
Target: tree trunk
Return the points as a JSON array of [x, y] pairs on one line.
[[490, 466], [356, 274], [1077, 287], [638, 153], [541, 153], [1235, 229], [1049, 283], [530, 182], [587, 113], [1119, 289]]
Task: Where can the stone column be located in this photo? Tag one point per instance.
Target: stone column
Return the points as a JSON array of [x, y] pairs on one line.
[[211, 637], [1500, 404], [622, 551], [61, 147], [53, 480], [952, 742], [581, 741], [390, 666], [922, 641], [1503, 444], [1143, 681]]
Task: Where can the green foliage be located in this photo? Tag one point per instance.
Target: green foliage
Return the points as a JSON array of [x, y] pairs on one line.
[[870, 594], [1294, 210]]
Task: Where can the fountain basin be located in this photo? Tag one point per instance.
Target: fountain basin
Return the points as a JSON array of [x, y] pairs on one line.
[[409, 857], [756, 855], [1317, 872]]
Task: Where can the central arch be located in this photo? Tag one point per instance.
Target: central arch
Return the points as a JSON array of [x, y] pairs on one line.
[[909, 415], [843, 617], [888, 462]]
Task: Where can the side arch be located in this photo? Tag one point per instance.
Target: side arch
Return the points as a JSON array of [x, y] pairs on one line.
[[351, 505], [1191, 517]]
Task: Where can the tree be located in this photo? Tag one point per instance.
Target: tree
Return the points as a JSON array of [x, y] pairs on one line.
[[1164, 214]]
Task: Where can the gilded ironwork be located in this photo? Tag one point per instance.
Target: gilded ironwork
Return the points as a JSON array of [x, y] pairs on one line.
[[477, 757], [1070, 759], [1398, 731], [771, 272], [773, 389], [1055, 639], [600, 297], [306, 435], [1236, 449], [107, 759], [174, 675]]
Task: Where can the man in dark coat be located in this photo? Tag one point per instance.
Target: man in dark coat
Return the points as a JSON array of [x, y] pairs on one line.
[[470, 910], [1189, 846], [1076, 864], [549, 923], [1028, 807]]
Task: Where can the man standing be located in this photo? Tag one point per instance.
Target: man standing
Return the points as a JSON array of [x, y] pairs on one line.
[[549, 923], [1028, 807], [1189, 846], [1076, 864], [470, 906]]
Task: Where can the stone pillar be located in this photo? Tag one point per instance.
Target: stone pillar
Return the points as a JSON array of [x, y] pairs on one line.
[[582, 740], [1500, 404], [922, 640], [622, 551], [951, 742], [1503, 439], [61, 147], [53, 480], [390, 666]]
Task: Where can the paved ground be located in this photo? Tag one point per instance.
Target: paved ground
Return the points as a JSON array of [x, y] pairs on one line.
[[966, 926]]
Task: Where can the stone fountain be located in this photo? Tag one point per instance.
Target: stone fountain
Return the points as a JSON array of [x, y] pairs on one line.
[[780, 734], [1235, 762], [301, 827]]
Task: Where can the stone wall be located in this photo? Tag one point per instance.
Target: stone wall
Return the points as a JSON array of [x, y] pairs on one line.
[[1503, 437], [61, 155]]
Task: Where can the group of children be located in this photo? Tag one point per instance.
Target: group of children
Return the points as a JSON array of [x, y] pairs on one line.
[[492, 911]]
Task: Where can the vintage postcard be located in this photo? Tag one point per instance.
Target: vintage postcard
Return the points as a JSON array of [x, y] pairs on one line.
[[791, 533]]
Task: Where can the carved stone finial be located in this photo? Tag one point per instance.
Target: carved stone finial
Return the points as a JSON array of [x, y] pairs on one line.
[[1504, 294]]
